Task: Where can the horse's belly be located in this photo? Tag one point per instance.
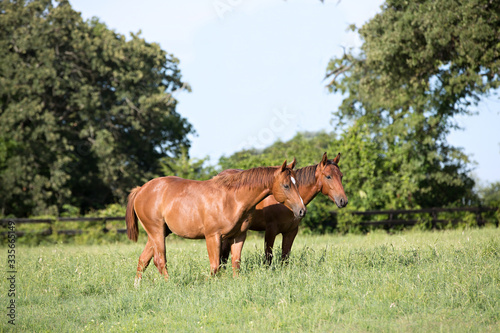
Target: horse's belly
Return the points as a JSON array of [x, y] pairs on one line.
[[184, 225]]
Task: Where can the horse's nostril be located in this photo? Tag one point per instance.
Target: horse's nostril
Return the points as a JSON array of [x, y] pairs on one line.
[[302, 212]]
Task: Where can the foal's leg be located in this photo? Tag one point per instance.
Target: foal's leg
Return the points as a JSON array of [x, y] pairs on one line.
[[269, 243], [288, 239], [236, 248], [225, 250], [214, 250], [144, 260]]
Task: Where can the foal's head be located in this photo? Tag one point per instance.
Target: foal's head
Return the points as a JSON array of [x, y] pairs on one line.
[[285, 189], [329, 177]]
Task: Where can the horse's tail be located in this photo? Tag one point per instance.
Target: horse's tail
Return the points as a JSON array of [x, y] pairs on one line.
[[131, 216]]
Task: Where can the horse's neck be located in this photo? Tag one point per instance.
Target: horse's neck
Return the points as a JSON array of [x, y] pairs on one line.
[[249, 198], [309, 192]]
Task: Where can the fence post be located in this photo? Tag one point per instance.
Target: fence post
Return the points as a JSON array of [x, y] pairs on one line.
[[479, 220], [50, 230], [104, 229], [434, 218], [388, 226]]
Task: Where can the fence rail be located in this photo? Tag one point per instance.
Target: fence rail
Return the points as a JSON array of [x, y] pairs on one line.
[[52, 221], [393, 219]]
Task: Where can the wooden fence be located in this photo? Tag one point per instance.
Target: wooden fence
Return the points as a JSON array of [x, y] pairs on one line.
[[51, 222], [394, 218]]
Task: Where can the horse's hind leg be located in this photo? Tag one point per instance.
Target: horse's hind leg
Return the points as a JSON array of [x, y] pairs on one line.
[[160, 259], [159, 252], [144, 260], [153, 249]]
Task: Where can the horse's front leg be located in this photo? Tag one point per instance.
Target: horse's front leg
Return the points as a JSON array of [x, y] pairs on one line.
[[269, 238], [236, 247], [214, 249], [288, 238]]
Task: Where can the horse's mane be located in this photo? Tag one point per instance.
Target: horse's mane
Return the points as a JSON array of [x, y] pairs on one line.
[[246, 178], [307, 175]]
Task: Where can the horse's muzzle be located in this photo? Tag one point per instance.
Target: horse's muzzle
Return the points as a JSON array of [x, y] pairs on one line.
[[299, 213], [341, 202]]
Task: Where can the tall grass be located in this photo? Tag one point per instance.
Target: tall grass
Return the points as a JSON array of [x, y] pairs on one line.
[[415, 281]]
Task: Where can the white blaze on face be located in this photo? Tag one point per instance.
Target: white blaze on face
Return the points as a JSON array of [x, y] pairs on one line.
[[294, 183]]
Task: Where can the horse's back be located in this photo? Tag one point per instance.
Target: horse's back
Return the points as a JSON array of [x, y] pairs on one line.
[[178, 202], [229, 172], [170, 185]]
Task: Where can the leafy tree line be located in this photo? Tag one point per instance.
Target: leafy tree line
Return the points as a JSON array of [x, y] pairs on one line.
[[86, 114]]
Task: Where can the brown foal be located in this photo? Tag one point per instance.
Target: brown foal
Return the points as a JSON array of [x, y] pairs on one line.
[[214, 209], [274, 218]]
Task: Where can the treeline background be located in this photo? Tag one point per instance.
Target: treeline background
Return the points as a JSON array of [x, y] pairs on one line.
[[87, 114]]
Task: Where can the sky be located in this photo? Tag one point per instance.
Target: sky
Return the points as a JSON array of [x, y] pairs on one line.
[[257, 68]]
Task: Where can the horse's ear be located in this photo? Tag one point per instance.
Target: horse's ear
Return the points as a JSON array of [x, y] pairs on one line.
[[336, 159], [283, 166], [292, 165], [324, 160]]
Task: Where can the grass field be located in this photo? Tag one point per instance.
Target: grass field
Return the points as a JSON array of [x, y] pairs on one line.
[[413, 282]]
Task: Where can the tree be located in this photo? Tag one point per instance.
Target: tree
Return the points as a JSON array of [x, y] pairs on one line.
[[490, 194], [421, 63], [188, 168], [85, 114]]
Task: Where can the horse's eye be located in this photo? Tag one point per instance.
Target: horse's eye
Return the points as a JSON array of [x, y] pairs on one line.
[[286, 186], [328, 177]]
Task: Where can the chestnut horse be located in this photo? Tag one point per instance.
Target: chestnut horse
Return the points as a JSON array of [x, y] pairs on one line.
[[273, 218], [213, 209]]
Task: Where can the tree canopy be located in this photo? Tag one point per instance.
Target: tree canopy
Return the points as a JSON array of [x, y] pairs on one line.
[[421, 63], [86, 113]]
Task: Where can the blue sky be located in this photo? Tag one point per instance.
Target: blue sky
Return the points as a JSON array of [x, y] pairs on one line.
[[256, 68]]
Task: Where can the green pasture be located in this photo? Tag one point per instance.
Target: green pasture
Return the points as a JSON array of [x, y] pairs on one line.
[[417, 281]]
